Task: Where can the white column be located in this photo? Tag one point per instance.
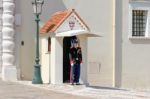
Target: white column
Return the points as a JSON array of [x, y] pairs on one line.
[[45, 60], [9, 71], [56, 61], [84, 68]]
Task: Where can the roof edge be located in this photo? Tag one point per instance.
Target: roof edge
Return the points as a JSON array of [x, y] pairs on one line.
[[60, 23]]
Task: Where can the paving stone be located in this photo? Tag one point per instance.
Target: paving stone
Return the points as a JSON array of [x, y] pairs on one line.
[[27, 90], [12, 90]]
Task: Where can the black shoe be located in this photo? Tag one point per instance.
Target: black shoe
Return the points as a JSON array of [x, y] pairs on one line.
[[72, 83], [78, 83]]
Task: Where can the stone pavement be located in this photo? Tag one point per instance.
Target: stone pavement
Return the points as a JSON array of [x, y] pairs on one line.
[[26, 90], [93, 92], [13, 90]]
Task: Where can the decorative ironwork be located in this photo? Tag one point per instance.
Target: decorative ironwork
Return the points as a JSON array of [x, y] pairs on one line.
[[71, 24], [139, 18]]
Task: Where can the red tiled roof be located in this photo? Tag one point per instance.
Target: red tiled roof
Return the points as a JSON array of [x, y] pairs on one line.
[[56, 20]]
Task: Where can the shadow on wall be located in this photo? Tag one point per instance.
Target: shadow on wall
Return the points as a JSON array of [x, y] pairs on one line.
[[140, 41], [27, 27], [50, 7], [118, 42], [106, 88]]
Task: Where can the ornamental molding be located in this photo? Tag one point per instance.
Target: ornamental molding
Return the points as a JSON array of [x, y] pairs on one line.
[[8, 6]]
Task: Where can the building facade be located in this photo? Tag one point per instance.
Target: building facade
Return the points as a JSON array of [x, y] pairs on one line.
[[117, 59]]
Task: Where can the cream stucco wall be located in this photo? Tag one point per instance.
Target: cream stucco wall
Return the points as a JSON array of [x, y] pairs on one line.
[[131, 58], [26, 32], [100, 50], [100, 53], [45, 60], [135, 56], [130, 68], [117, 42]]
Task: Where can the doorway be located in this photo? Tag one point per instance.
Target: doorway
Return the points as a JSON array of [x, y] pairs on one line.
[[66, 61]]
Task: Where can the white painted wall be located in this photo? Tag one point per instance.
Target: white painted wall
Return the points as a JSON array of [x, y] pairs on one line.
[[45, 60], [78, 24], [135, 56], [117, 42], [56, 60], [98, 15], [84, 64], [92, 12], [26, 32]]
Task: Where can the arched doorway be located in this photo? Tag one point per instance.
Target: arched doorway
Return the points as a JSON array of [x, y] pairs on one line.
[[66, 62]]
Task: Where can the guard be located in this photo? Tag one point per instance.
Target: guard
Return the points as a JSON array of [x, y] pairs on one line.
[[75, 61]]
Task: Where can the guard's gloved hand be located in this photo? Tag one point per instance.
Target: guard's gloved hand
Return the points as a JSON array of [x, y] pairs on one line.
[[71, 63]]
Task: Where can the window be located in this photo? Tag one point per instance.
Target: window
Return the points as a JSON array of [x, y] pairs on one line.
[[49, 44], [139, 20]]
